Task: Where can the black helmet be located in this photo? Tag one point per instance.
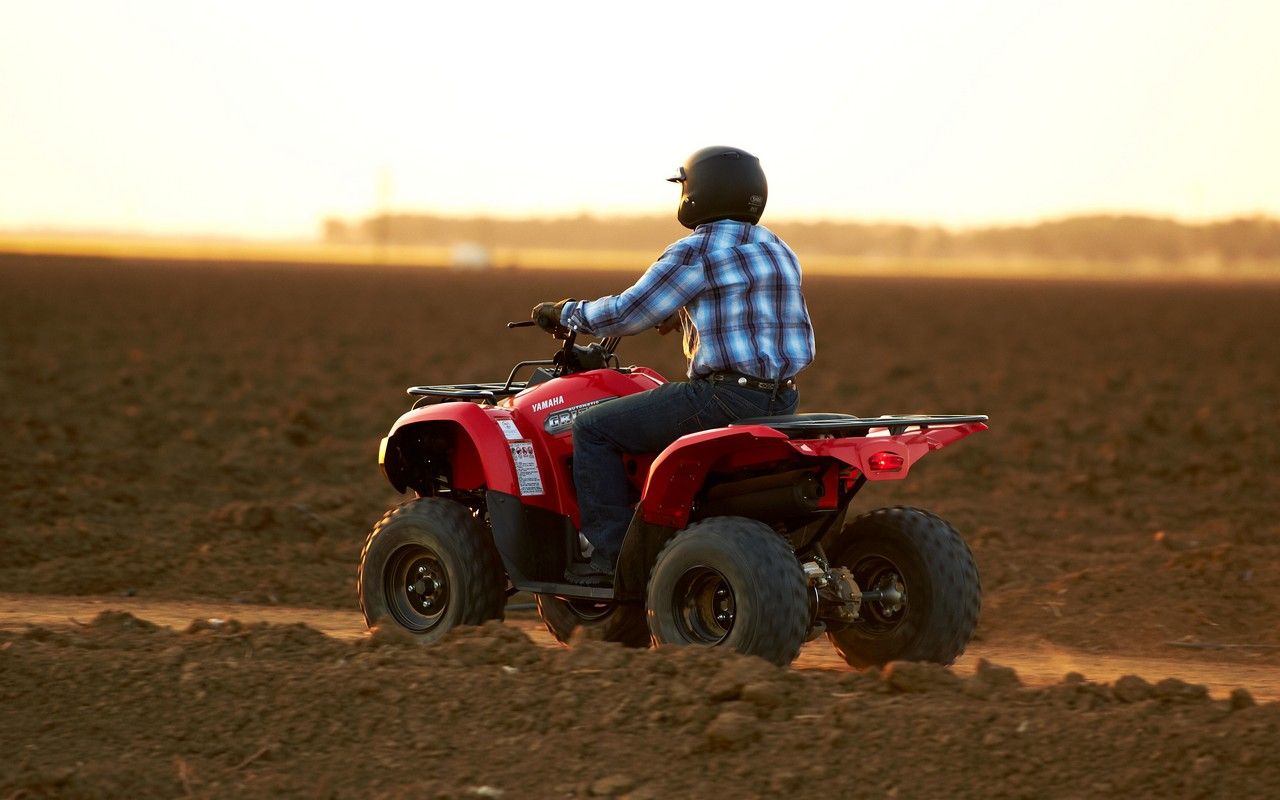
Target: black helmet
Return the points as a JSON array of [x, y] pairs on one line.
[[720, 183]]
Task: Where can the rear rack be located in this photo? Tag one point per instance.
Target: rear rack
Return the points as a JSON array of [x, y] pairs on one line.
[[849, 425]]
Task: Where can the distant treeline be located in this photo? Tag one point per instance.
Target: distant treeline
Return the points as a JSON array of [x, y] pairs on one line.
[[1100, 237]]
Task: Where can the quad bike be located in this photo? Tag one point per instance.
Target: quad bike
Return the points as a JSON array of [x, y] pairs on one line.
[[739, 537]]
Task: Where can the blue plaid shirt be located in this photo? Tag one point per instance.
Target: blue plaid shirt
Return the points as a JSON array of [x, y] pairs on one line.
[[739, 283]]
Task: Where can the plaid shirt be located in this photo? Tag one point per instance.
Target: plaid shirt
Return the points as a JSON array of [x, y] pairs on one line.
[[739, 283]]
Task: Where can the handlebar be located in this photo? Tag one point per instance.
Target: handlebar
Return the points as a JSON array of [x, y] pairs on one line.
[[569, 358], [568, 336]]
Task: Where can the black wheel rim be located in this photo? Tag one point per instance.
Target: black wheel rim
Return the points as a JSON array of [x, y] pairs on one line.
[[417, 587], [588, 610], [876, 573], [705, 606]]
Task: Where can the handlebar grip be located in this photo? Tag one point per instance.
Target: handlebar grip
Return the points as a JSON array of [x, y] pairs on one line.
[[522, 324]]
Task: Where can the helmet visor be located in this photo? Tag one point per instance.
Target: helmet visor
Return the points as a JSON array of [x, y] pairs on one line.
[[679, 177]]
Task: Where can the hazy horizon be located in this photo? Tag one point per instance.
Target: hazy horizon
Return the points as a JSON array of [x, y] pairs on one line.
[[254, 121], [318, 234]]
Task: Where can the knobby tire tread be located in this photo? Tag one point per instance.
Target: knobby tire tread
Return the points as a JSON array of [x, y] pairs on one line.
[[949, 564], [482, 577], [776, 576], [625, 625]]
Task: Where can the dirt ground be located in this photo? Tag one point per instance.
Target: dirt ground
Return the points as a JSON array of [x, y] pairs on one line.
[[229, 710], [197, 431]]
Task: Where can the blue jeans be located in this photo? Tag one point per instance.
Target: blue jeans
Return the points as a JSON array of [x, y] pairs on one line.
[[646, 423]]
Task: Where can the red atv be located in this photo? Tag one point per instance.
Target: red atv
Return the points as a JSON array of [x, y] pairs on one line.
[[739, 537]]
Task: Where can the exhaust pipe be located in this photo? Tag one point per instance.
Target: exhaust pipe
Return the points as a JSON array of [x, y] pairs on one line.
[[769, 498]]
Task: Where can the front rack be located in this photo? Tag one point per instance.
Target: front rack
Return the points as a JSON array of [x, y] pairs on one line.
[[469, 391], [487, 392]]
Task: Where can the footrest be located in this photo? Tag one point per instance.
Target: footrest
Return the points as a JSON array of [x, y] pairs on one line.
[[568, 590]]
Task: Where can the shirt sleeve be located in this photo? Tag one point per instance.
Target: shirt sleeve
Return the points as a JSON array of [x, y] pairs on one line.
[[669, 283]]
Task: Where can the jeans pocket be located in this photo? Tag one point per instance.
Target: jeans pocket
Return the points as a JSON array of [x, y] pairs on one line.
[[740, 403]]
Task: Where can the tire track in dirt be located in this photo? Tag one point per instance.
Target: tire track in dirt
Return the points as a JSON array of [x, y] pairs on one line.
[[1036, 665]]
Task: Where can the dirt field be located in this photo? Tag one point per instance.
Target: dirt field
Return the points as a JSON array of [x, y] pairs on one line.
[[179, 431]]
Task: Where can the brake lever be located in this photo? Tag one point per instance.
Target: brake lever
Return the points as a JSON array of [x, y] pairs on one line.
[[522, 324]]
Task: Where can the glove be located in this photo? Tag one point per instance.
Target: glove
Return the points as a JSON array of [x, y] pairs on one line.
[[547, 316]]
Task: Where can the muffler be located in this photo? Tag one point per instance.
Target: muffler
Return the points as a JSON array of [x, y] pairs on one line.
[[769, 498]]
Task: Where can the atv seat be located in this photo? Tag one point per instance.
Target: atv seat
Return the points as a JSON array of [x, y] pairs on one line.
[[811, 426]]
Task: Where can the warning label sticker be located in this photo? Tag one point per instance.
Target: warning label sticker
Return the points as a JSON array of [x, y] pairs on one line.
[[509, 429], [527, 474]]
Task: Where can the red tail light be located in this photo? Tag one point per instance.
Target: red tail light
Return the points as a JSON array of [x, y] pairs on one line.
[[886, 462]]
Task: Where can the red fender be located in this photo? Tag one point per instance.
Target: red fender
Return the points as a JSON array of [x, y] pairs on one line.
[[910, 447], [680, 470], [481, 453]]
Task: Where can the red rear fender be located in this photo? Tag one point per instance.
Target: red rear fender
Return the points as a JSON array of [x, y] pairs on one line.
[[679, 472], [882, 457]]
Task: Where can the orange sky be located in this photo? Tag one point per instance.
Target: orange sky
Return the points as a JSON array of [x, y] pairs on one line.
[[260, 118]]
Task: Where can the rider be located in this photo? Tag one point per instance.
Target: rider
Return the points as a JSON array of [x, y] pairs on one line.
[[734, 288]]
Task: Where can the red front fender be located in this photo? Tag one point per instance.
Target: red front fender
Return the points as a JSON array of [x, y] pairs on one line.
[[481, 453]]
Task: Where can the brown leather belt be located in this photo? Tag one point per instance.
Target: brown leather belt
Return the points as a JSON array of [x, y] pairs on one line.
[[749, 381]]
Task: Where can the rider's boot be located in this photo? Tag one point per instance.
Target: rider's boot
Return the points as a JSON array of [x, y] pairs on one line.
[[591, 573]]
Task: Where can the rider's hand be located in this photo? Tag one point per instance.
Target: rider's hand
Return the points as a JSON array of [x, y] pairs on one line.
[[547, 316]]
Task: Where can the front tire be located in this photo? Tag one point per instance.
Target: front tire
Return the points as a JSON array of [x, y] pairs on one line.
[[729, 582], [623, 624], [919, 556], [429, 566]]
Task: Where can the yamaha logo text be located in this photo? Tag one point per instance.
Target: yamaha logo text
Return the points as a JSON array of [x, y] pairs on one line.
[[543, 405]]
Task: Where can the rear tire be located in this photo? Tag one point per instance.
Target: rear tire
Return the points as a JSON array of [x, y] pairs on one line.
[[924, 558], [729, 582], [624, 624], [428, 566]]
